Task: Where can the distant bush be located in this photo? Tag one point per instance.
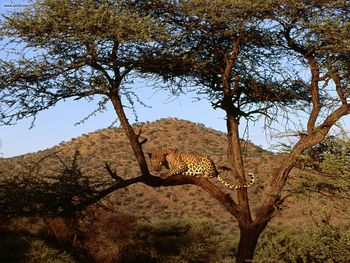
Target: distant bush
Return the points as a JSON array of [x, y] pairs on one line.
[[179, 241], [322, 244], [331, 159], [330, 156]]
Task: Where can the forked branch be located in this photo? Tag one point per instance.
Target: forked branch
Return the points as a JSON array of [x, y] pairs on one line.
[[175, 180], [318, 134]]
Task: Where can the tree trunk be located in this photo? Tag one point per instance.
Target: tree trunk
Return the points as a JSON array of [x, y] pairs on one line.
[[131, 135], [249, 235]]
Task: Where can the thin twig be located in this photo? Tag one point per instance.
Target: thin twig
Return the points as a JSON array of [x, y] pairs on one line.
[[113, 174]]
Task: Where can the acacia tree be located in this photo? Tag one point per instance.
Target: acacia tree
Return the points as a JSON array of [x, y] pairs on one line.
[[244, 54], [56, 50], [258, 58]]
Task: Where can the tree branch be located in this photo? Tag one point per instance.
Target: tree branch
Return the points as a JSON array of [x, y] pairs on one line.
[[273, 195], [339, 88], [315, 77], [230, 61], [131, 135], [155, 181], [314, 89], [113, 174]]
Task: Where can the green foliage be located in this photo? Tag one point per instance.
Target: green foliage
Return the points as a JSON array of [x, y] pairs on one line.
[[324, 243], [172, 241], [83, 48], [69, 49], [331, 159], [278, 244], [336, 159], [202, 47]]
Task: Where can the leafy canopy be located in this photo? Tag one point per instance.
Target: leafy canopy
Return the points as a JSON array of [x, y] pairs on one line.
[[259, 49], [62, 49]]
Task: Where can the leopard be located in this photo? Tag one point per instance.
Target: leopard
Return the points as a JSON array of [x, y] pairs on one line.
[[191, 164]]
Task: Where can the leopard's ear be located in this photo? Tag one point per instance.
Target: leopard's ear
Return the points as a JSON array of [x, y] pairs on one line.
[[150, 155]]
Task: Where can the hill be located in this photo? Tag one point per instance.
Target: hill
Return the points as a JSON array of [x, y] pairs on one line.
[[111, 146]]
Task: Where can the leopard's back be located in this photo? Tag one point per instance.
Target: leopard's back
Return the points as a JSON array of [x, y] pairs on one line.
[[196, 164], [190, 164]]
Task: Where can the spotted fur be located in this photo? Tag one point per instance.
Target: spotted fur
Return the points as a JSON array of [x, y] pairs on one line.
[[189, 164]]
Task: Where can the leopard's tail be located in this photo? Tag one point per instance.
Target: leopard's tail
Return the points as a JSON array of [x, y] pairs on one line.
[[237, 186]]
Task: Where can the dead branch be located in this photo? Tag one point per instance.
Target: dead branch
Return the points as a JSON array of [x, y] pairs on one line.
[[113, 174], [143, 141], [139, 132]]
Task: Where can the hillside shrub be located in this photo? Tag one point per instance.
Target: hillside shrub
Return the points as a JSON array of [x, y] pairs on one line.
[[323, 244], [175, 240], [330, 160]]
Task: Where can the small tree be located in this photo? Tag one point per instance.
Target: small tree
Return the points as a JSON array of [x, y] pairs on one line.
[[248, 56], [36, 193]]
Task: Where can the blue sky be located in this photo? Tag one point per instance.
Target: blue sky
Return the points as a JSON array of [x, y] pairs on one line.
[[58, 123]]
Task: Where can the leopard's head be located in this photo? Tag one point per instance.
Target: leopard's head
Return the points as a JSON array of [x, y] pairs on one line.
[[157, 160]]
